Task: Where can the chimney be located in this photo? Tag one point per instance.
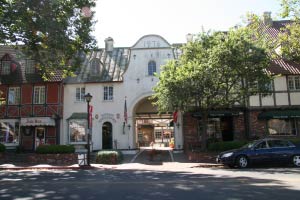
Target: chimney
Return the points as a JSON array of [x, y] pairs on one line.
[[267, 19], [189, 37], [109, 44]]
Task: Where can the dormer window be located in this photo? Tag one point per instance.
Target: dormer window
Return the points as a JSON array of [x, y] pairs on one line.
[[151, 68], [30, 67], [5, 67], [95, 66]]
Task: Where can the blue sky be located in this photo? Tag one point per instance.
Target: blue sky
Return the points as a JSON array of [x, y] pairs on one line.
[[128, 20]]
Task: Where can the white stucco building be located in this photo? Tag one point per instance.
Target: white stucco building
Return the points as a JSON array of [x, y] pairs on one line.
[[111, 76]]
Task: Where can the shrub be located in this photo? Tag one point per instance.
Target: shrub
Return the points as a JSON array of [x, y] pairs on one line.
[[224, 146], [53, 149], [109, 157], [2, 147], [296, 141]]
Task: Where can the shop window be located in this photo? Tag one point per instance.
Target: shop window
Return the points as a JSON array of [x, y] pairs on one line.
[[9, 132], [80, 92], [14, 95], [213, 128], [77, 131], [39, 94], [286, 127], [157, 135]]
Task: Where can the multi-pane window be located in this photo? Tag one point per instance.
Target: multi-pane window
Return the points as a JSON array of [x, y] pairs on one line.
[[9, 132], [157, 134], [30, 67], [77, 131], [5, 68], [294, 82], [39, 94], [151, 68], [80, 92], [14, 95], [108, 94]]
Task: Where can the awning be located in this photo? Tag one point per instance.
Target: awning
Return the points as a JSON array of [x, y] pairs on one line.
[[279, 114], [78, 116], [37, 121], [217, 113]]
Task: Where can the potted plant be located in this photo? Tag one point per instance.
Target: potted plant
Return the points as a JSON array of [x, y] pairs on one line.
[[172, 143]]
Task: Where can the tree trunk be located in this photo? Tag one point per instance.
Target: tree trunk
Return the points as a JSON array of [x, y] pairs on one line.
[[204, 131]]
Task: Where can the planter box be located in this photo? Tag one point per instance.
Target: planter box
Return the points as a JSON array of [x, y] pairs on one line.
[[53, 159]]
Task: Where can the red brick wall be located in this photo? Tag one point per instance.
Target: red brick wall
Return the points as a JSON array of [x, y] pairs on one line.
[[257, 127]]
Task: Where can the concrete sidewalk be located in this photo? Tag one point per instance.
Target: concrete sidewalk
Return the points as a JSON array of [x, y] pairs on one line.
[[143, 160]]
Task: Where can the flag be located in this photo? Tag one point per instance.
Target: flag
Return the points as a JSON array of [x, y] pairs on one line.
[[125, 111], [175, 115], [91, 115]]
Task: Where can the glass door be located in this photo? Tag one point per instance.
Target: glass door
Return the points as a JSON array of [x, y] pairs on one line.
[[39, 136]]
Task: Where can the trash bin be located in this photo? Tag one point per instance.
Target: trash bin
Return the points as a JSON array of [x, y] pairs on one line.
[[82, 159]]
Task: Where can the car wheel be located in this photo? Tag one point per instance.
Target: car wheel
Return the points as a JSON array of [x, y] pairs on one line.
[[242, 162], [296, 160]]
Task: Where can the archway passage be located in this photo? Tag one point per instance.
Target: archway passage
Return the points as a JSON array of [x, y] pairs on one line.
[[107, 135], [152, 127]]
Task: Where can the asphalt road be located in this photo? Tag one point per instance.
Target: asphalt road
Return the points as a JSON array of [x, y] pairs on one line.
[[165, 181]]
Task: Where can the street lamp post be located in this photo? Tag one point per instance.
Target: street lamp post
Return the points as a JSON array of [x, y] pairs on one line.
[[88, 97]]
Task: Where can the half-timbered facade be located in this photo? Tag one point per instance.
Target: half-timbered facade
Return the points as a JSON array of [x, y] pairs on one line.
[[31, 108]]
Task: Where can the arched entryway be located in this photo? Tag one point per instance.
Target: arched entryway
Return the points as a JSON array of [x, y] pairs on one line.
[[107, 135], [151, 126]]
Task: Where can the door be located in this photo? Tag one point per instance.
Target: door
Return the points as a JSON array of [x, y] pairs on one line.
[[107, 135], [261, 153], [39, 136], [227, 128]]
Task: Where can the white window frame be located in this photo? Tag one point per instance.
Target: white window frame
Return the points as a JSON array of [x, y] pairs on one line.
[[108, 93], [39, 94], [14, 95], [79, 94], [294, 83], [30, 66], [5, 68]]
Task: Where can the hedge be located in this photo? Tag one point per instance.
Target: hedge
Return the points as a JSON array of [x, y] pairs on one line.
[[55, 149], [296, 141], [109, 157], [224, 146], [2, 147]]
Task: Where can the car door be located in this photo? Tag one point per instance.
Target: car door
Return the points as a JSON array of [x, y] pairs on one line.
[[281, 151], [261, 153]]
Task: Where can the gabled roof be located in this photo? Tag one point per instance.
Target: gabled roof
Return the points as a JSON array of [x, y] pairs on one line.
[[112, 66], [279, 65], [18, 64]]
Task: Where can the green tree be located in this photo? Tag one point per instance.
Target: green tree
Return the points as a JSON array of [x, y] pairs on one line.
[[54, 33], [289, 37], [216, 71]]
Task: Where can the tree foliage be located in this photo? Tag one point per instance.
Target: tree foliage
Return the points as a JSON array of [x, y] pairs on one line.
[[54, 33], [217, 70], [289, 37]]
